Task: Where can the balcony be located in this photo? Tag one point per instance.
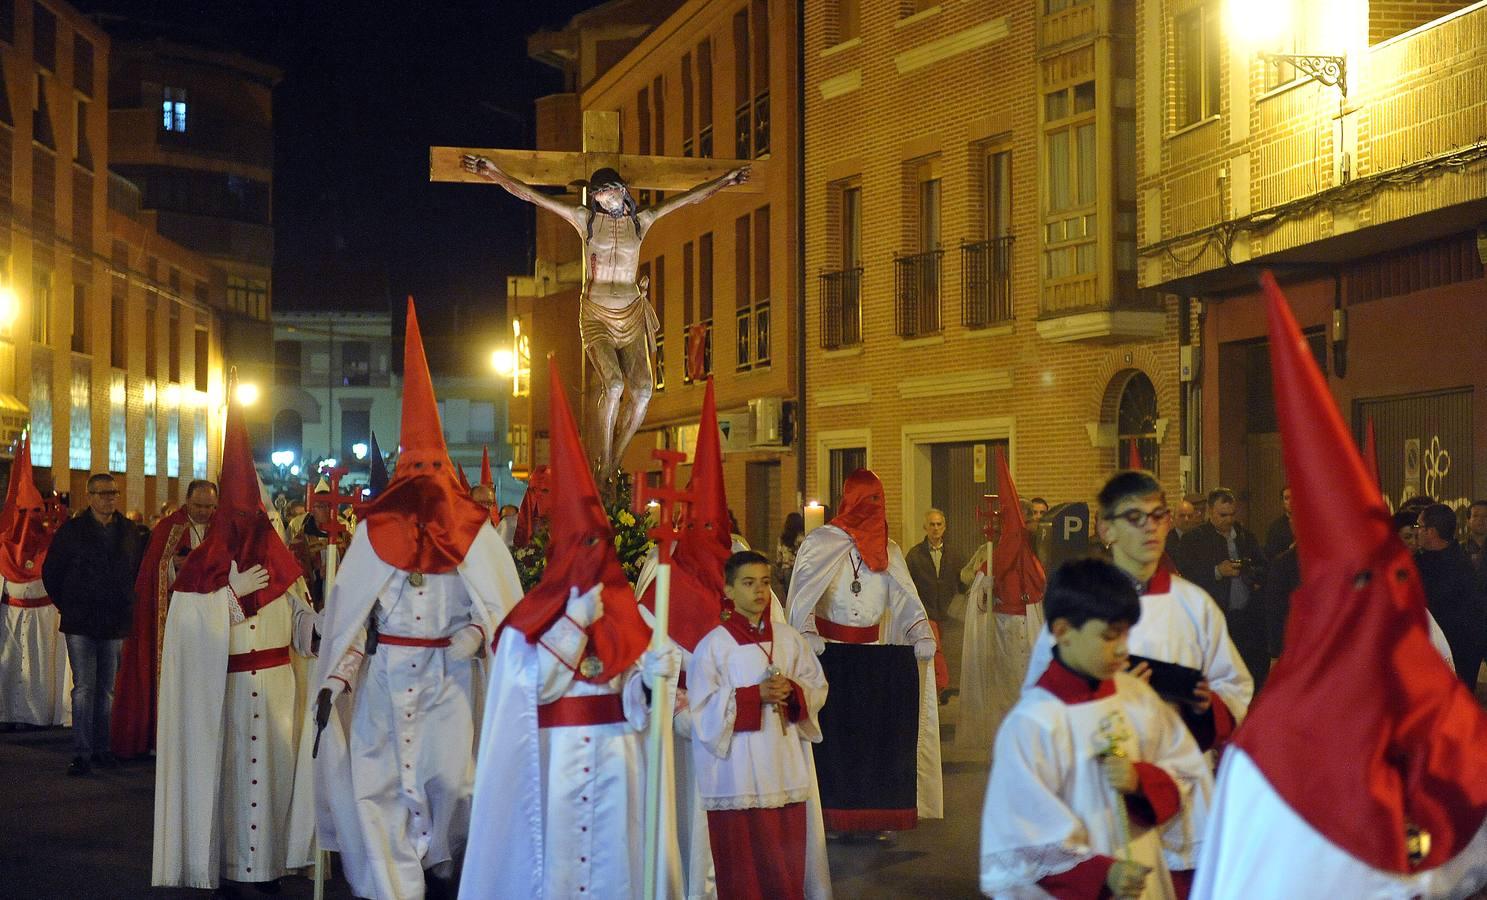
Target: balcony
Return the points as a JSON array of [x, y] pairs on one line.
[[986, 282], [841, 308], [916, 293]]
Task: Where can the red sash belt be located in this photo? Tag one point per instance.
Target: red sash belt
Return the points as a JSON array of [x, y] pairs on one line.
[[28, 602], [398, 641], [847, 634], [590, 709], [254, 660]]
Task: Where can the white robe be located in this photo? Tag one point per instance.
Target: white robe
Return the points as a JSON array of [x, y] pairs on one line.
[[35, 676], [993, 664], [1049, 806], [767, 768], [559, 811], [820, 586], [1183, 626], [396, 766], [227, 746], [1257, 846]]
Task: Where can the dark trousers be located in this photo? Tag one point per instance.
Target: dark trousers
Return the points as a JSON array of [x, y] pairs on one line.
[[95, 665], [1248, 631]]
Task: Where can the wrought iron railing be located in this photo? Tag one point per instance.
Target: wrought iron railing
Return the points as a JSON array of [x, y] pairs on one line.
[[916, 293], [986, 282], [841, 308]]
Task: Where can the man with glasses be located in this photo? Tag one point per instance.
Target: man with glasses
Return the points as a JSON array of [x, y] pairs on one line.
[[1224, 558], [89, 574], [1450, 594], [1179, 622]]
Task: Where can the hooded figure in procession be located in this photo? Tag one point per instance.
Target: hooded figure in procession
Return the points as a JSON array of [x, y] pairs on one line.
[[423, 588]]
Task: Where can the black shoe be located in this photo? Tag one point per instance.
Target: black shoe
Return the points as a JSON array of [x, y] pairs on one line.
[[78, 766], [105, 760]]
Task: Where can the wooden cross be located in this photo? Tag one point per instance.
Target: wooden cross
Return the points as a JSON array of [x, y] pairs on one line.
[[990, 514], [601, 148], [668, 495], [333, 529]]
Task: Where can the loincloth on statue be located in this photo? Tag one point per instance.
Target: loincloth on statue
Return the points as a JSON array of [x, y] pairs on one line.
[[599, 324]]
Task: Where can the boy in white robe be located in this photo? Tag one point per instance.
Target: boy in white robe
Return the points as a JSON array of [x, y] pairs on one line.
[[756, 689], [1096, 785], [1180, 623]]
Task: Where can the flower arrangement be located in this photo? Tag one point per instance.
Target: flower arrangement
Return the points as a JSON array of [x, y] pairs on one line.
[[631, 542]]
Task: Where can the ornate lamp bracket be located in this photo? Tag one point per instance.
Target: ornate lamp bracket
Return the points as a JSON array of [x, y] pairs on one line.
[[1329, 70]]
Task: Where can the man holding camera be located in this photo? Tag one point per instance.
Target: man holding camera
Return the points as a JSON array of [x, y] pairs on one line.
[[1223, 558]]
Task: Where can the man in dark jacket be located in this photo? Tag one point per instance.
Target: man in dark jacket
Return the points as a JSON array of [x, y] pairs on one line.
[[1223, 558], [1450, 592], [89, 574], [935, 568]]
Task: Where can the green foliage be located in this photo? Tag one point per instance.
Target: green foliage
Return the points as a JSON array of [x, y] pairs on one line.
[[630, 542]]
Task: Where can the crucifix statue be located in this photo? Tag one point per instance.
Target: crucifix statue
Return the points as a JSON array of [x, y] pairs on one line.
[[616, 322]]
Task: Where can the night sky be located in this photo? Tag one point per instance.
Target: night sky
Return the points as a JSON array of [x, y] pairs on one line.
[[367, 88]]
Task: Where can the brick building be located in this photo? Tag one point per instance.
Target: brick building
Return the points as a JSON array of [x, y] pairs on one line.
[[711, 79], [971, 265], [1367, 197]]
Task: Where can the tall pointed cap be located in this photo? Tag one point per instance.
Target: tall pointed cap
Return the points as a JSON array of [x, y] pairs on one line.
[[1133, 456], [240, 529], [580, 554], [24, 537], [377, 477], [485, 468], [708, 512], [1362, 729], [421, 429], [1016, 570]]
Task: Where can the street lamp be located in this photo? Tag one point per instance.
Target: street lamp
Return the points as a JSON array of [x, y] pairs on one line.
[[503, 361], [359, 450], [1264, 23], [282, 458]]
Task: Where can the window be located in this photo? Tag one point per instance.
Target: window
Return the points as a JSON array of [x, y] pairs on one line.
[[41, 306], [1195, 44], [643, 120], [118, 432], [751, 80], [288, 360], [41, 409], [44, 31], [83, 154], [689, 110], [173, 110], [41, 114], [289, 432], [841, 314], [916, 274], [762, 292], [658, 95], [848, 19], [173, 432], [152, 426], [705, 298], [1069, 195], [356, 364], [759, 13], [118, 334], [743, 125], [705, 99], [248, 296], [173, 344], [844, 462], [199, 445], [82, 64], [1136, 422], [7, 26], [152, 336], [997, 194], [199, 356], [80, 428], [520, 439], [751, 242], [986, 265], [927, 177], [79, 318]]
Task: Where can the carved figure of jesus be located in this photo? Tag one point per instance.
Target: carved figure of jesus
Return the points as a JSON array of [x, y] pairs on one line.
[[615, 319]]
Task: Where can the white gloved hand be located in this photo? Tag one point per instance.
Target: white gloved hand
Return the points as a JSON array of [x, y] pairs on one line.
[[245, 583], [659, 664], [586, 608], [466, 644], [817, 643], [924, 649]]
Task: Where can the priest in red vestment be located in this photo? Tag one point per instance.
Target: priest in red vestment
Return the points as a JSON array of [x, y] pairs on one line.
[[135, 697]]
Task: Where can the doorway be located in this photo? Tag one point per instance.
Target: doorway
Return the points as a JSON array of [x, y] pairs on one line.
[[762, 518]]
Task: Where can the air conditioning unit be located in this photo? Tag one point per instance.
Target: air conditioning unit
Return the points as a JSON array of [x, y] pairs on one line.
[[737, 431], [767, 413]]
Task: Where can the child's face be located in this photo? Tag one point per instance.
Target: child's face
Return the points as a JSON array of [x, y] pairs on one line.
[[1095, 650], [749, 590]]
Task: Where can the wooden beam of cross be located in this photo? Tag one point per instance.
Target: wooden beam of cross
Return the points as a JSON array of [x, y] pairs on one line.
[[333, 529], [672, 500], [601, 148]]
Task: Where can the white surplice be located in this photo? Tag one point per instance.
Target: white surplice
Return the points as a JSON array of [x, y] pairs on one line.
[[35, 679], [762, 769], [821, 587], [396, 766], [559, 811], [1049, 806], [226, 745], [996, 649], [1181, 625]]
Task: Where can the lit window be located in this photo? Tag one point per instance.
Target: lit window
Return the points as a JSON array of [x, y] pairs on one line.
[[173, 431], [152, 454], [521, 379], [173, 110], [80, 428], [1070, 190], [118, 435], [199, 445], [41, 409], [1195, 43]]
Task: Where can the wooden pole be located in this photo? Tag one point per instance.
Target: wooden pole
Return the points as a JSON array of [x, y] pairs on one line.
[[658, 741], [322, 857]]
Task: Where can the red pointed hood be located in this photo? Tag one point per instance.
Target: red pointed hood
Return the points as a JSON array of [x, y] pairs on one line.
[[1016, 570], [706, 541], [864, 516], [1133, 457], [580, 554], [24, 532], [531, 516], [485, 468], [240, 528], [1362, 728], [459, 468], [423, 521]]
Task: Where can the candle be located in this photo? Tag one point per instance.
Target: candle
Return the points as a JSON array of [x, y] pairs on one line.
[[815, 516]]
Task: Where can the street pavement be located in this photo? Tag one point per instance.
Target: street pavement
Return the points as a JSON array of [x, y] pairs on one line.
[[89, 838]]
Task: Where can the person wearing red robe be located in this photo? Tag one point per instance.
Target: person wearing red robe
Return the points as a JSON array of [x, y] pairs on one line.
[[132, 730], [531, 517]]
